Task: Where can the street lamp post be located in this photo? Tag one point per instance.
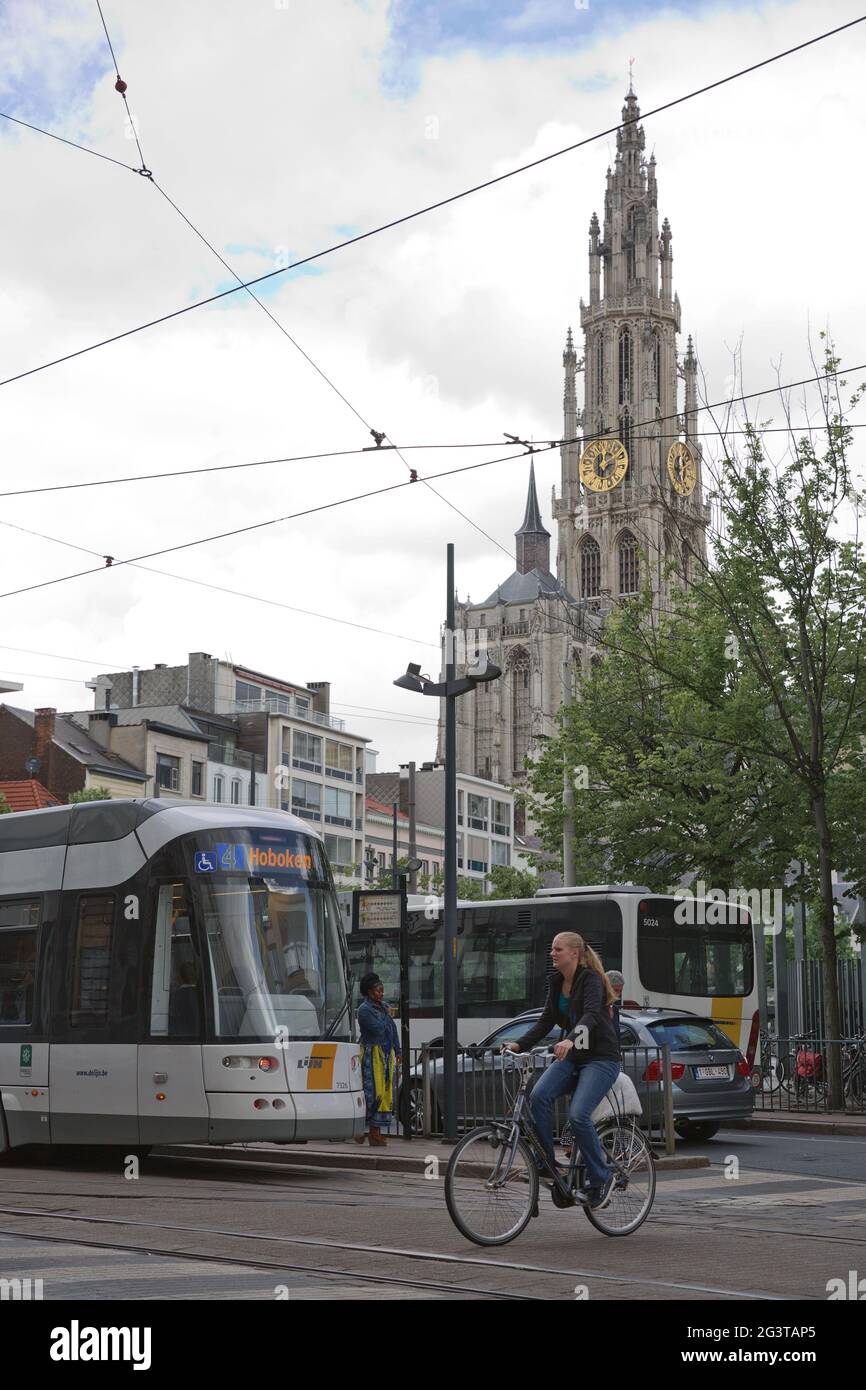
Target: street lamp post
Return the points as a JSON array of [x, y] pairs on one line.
[[449, 690]]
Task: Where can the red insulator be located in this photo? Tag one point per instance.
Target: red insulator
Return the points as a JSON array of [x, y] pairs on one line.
[[120, 86]]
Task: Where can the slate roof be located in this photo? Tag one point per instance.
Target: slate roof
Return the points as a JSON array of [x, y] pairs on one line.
[[532, 523], [79, 745], [524, 588]]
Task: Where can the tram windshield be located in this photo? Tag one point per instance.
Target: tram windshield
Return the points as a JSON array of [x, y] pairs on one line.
[[274, 945]]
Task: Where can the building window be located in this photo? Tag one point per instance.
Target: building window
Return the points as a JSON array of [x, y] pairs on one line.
[[501, 818], [339, 852], [459, 806], [501, 853], [518, 663], [339, 760], [218, 787], [599, 370], [625, 432], [246, 694], [476, 854], [477, 812], [629, 568], [590, 569], [306, 799], [307, 751], [18, 923], [685, 562], [625, 366], [197, 779], [338, 806], [236, 791], [483, 620], [167, 772], [91, 968], [657, 364]]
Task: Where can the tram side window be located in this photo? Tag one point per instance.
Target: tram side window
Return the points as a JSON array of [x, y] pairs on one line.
[[92, 965], [174, 1000], [18, 923]]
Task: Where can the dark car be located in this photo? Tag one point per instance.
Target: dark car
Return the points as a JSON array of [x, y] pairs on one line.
[[710, 1077]]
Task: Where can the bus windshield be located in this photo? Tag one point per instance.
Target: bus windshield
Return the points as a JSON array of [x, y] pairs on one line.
[[274, 944], [711, 954]]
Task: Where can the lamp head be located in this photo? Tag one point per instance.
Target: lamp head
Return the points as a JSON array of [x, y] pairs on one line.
[[412, 679]]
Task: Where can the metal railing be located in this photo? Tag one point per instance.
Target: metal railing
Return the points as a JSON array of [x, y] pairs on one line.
[[485, 1090], [793, 1074]]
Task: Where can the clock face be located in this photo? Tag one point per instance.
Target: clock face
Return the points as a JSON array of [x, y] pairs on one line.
[[603, 465], [682, 469]]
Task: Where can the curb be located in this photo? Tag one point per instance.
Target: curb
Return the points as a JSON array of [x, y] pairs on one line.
[[790, 1126], [383, 1163]]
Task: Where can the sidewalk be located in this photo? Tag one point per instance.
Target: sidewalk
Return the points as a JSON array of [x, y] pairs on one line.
[[804, 1122], [400, 1155]]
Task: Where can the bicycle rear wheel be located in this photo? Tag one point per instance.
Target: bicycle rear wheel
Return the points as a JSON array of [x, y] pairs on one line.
[[491, 1186], [635, 1184]]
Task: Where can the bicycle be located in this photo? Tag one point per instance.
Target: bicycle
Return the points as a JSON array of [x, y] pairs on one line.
[[492, 1179], [769, 1071]]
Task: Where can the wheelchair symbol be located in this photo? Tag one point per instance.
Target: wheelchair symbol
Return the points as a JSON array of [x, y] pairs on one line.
[[205, 862]]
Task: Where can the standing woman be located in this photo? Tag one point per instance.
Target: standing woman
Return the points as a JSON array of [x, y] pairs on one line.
[[587, 1059], [380, 1052]]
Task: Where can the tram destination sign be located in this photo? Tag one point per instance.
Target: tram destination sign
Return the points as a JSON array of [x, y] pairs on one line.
[[254, 858], [380, 910]]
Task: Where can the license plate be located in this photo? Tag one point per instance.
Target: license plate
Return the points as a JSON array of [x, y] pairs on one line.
[[706, 1073]]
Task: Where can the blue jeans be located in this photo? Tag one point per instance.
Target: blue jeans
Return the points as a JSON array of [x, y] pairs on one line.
[[590, 1082]]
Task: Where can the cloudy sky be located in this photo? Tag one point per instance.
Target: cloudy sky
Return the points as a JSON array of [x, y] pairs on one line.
[[280, 127]]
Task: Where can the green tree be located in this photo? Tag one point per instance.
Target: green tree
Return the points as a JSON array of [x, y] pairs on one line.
[[4, 805], [509, 882], [89, 794], [724, 736]]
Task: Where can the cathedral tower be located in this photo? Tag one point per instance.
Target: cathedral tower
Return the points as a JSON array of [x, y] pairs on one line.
[[629, 507]]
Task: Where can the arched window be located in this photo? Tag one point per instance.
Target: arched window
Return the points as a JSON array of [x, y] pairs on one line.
[[625, 434], [657, 364], [629, 568], [590, 569], [685, 562], [599, 369], [518, 667], [625, 366]]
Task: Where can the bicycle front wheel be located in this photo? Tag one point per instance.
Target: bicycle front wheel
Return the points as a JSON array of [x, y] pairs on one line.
[[491, 1186], [634, 1187]]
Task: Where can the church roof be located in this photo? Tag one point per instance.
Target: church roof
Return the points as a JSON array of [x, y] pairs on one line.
[[523, 588], [532, 523]]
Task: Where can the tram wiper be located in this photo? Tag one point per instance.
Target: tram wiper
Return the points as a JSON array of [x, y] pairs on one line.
[[338, 1019]]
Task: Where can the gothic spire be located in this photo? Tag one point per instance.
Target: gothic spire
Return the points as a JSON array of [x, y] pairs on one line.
[[533, 540]]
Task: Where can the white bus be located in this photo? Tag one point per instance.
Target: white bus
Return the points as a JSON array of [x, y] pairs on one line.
[[171, 973], [704, 966]]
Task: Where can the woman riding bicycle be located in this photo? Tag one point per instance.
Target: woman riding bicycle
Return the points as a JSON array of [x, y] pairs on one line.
[[587, 1057]]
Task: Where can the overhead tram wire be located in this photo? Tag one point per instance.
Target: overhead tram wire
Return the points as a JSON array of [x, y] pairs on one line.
[[440, 203], [482, 444], [395, 487], [121, 87], [74, 144]]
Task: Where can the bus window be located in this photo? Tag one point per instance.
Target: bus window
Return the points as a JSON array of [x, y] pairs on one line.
[[18, 922], [694, 960], [174, 1001], [599, 923], [92, 964], [495, 968]]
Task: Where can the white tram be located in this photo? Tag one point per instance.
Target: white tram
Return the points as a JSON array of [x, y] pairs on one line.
[[171, 972]]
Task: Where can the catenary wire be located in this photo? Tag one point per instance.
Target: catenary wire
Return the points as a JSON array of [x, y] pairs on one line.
[[63, 141], [122, 89], [432, 207]]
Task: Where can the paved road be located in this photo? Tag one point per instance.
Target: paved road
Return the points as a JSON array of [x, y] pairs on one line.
[[792, 1218]]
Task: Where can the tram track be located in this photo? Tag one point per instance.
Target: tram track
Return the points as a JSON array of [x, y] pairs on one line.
[[358, 1248]]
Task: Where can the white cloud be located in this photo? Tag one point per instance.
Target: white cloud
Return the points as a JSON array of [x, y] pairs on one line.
[[270, 128]]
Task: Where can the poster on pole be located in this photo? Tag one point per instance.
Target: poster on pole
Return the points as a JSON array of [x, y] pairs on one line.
[[378, 910]]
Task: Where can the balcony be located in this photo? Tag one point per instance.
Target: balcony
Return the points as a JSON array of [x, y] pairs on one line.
[[519, 629], [338, 772], [339, 820], [281, 704], [306, 813], [231, 757]]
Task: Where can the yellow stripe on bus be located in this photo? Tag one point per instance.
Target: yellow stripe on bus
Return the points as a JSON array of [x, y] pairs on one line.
[[728, 1015], [320, 1073]]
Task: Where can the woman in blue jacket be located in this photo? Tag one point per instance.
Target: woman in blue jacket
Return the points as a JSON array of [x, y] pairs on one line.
[[380, 1053]]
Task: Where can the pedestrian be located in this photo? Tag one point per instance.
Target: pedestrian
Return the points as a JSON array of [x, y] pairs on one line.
[[587, 1057], [380, 1054], [616, 980]]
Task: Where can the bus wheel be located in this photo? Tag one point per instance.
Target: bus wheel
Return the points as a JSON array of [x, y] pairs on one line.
[[695, 1131]]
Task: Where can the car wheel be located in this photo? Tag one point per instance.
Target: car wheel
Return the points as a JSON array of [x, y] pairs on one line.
[[416, 1112], [695, 1131]]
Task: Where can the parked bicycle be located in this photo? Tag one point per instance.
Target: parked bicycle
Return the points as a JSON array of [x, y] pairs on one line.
[[854, 1070], [492, 1180], [769, 1071]]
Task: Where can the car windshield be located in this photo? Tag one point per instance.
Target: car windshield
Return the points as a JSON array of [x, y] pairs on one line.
[[689, 1035], [275, 953]]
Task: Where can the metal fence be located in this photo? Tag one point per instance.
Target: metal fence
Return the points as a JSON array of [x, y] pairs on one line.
[[806, 997], [792, 1074], [486, 1090]]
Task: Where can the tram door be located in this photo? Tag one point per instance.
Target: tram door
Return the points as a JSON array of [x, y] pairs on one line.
[[172, 1101], [93, 1093]]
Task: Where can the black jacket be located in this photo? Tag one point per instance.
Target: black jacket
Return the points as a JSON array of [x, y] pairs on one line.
[[587, 1009]]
